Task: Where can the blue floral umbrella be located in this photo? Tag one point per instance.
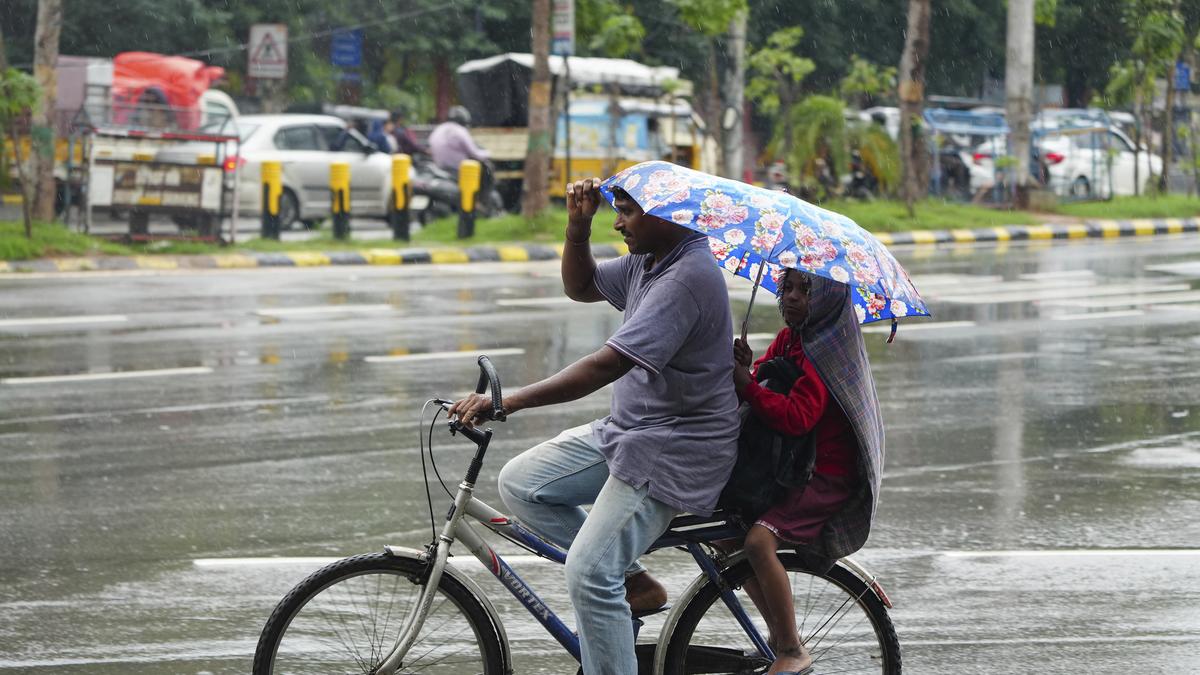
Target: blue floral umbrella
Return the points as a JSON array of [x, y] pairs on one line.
[[755, 233]]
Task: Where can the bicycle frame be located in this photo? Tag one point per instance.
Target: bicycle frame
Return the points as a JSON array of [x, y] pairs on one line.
[[457, 528]]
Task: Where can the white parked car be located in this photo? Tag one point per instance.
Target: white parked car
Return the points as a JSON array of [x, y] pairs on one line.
[[1075, 161], [306, 146], [1079, 163]]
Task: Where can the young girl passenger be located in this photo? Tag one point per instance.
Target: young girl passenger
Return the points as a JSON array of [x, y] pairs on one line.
[[834, 397]]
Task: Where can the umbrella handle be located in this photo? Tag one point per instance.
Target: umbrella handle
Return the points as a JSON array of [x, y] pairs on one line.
[[753, 293]]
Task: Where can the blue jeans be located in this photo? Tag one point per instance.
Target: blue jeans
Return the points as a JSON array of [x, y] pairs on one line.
[[545, 488]]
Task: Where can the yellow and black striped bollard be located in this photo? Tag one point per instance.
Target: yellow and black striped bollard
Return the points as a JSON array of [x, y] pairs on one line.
[[272, 192], [398, 214], [339, 193], [470, 173]]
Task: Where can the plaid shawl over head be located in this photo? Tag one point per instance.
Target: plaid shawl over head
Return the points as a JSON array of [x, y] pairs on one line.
[[834, 344]]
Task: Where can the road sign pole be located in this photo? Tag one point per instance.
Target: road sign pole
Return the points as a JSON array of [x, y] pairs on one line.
[[567, 116], [563, 44]]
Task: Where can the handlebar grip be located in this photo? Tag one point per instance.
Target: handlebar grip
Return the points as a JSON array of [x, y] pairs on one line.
[[489, 379]]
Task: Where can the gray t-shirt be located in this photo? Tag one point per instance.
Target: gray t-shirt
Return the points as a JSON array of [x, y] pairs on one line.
[[673, 422]]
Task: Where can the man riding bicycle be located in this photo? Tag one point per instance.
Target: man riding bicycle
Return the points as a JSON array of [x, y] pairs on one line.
[[669, 441]]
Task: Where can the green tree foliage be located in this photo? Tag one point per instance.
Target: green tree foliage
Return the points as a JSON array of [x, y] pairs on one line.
[[1158, 37], [776, 71], [710, 17], [1085, 40], [818, 143], [1045, 12], [867, 82], [19, 93], [1158, 31], [619, 35], [1078, 40], [410, 44]]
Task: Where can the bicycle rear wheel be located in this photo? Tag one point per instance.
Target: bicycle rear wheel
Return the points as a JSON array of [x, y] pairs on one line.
[[841, 621], [346, 616]]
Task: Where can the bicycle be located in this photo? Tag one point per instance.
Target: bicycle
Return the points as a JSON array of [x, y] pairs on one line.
[[405, 610]]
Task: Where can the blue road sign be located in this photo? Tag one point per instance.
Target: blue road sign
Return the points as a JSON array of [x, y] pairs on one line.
[[562, 47], [346, 48], [1183, 76]]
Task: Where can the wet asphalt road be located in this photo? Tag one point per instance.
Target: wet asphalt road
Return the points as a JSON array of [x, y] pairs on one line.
[[1040, 509]]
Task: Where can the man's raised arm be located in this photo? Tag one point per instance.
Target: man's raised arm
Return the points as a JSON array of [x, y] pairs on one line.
[[578, 265]]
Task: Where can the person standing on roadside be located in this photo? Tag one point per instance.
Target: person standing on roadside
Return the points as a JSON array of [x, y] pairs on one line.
[[670, 440], [381, 136]]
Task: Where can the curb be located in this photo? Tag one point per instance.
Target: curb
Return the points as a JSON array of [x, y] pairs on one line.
[[374, 256], [1087, 229], [527, 252]]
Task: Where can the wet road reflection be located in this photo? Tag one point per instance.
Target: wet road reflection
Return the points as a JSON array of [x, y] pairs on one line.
[[161, 434]]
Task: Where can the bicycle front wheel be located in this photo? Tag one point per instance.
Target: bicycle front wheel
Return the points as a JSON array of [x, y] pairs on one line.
[[841, 621], [347, 616]]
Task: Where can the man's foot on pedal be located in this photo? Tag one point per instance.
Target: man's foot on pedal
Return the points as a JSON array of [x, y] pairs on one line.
[[644, 593]]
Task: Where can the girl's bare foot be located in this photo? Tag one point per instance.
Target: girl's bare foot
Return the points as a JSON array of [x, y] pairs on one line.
[[791, 660]]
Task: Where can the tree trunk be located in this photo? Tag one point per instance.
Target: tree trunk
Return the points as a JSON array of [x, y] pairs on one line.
[[1137, 149], [537, 158], [914, 155], [45, 56], [1168, 133], [443, 87], [735, 93], [26, 193], [1018, 91], [713, 104]]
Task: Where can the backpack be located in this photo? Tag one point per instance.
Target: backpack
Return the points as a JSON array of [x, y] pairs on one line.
[[769, 463]]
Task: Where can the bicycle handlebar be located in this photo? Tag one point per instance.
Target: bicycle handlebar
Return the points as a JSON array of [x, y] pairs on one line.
[[488, 379]]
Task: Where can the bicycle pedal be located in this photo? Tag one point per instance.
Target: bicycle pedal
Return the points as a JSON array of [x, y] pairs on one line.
[[650, 612]]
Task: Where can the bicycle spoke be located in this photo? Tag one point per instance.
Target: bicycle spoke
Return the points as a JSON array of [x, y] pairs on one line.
[[345, 636], [835, 618], [355, 621], [436, 630], [442, 659], [839, 613]]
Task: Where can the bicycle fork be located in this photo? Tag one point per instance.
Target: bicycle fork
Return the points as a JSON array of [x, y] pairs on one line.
[[415, 621]]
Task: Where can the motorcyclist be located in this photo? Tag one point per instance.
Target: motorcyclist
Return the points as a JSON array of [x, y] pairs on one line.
[[451, 143]]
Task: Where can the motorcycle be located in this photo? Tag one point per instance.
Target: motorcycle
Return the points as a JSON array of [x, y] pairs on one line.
[[862, 184], [438, 189]]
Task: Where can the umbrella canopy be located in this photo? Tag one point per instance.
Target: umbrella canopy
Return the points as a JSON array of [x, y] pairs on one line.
[[755, 233]]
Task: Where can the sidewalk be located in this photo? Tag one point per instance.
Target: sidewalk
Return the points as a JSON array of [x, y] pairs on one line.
[[526, 252]]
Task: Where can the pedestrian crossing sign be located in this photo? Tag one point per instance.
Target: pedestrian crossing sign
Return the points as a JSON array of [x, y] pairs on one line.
[[268, 51]]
